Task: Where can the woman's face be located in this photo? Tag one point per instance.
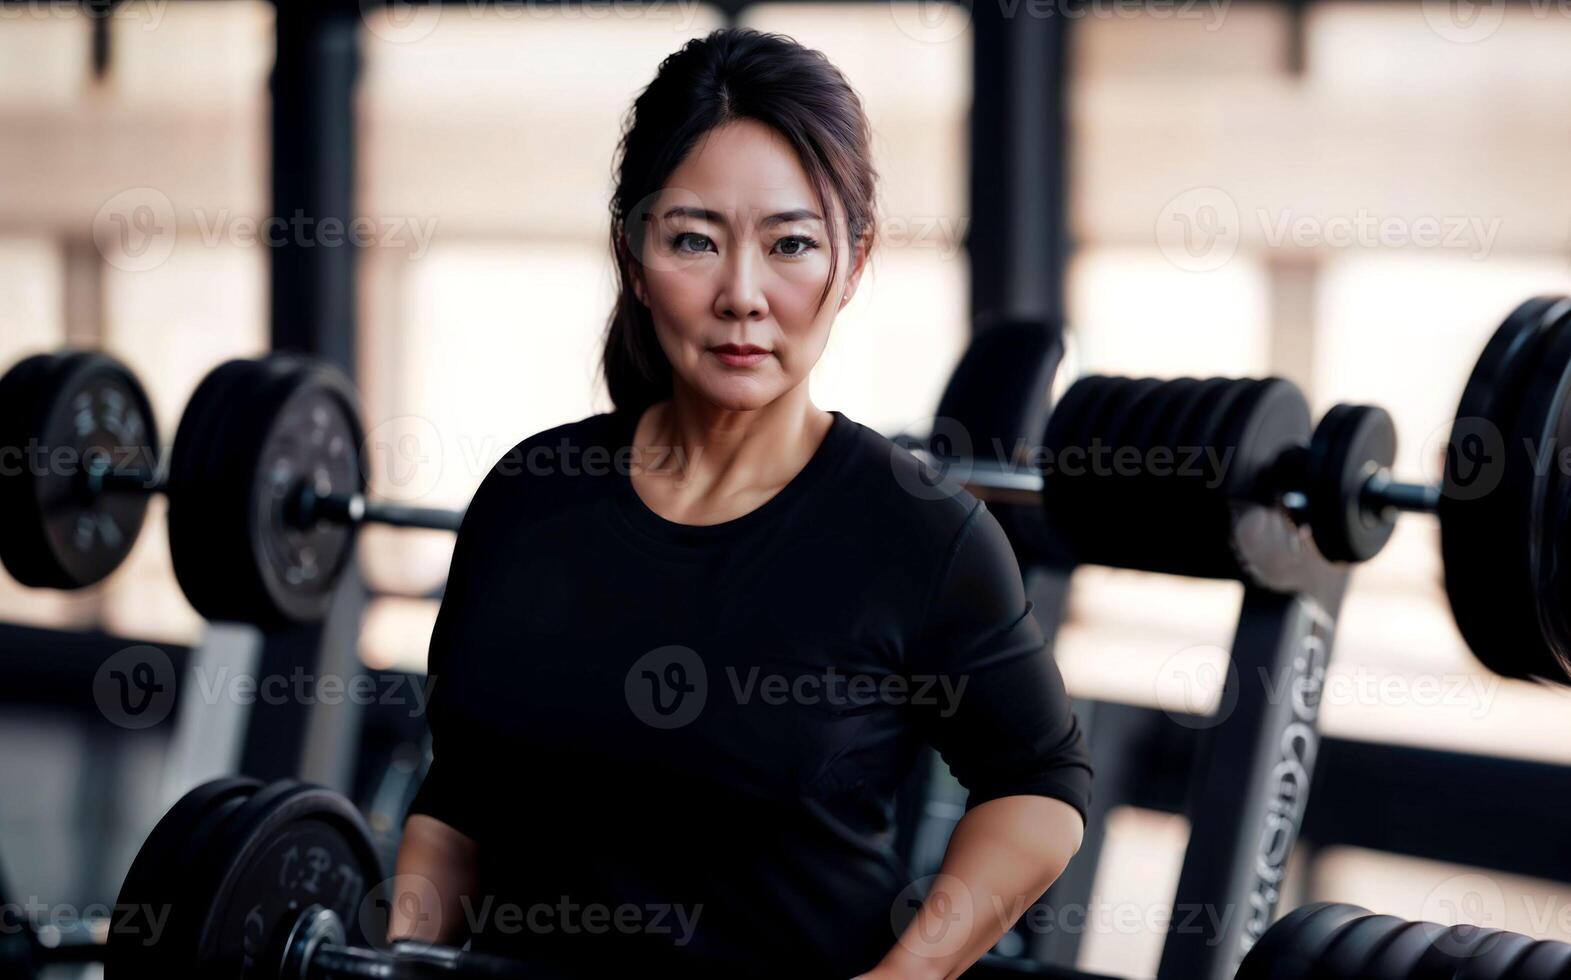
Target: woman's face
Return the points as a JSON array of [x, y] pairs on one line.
[[734, 262]]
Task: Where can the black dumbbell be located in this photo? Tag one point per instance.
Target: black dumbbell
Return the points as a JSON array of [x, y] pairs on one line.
[[265, 482]]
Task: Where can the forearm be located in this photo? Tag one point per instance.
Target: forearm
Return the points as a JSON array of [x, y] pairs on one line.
[[435, 873], [1002, 856]]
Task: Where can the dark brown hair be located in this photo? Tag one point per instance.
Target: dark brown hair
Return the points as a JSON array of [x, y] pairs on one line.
[[731, 74]]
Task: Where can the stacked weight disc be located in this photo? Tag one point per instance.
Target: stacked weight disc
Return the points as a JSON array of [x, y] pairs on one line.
[[1174, 476]]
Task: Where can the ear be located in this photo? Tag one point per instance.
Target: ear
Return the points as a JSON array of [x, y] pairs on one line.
[[634, 270], [859, 255]]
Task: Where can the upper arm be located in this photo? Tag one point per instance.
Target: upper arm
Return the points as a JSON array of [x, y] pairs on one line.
[[1000, 715]]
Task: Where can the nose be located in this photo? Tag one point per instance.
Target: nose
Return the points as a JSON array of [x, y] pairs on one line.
[[741, 294]]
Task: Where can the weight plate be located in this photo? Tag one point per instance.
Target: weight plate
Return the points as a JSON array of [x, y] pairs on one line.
[[1345, 957], [278, 425], [1455, 947], [1544, 492], [287, 847], [1405, 953], [1493, 961], [1067, 486], [1546, 960], [1351, 444], [1000, 395], [1002, 389], [1281, 952], [140, 944], [62, 413], [1482, 518]]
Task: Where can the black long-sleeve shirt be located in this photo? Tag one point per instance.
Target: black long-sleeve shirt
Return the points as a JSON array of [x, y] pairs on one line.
[[678, 746]]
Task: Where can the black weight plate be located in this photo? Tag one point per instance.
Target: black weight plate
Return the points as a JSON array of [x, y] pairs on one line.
[[1546, 960], [1000, 395], [1205, 503], [239, 552], [1002, 388], [24, 548], [1402, 956], [1068, 486], [1351, 444], [1544, 422], [1280, 952], [1134, 494], [1455, 947], [1160, 488], [287, 848], [204, 552], [63, 412], [1494, 960], [140, 943], [1486, 572], [1345, 957]]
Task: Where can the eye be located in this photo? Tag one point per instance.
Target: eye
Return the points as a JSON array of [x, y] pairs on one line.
[[796, 246], [690, 242]]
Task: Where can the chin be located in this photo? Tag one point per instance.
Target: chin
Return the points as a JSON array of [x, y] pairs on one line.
[[740, 394]]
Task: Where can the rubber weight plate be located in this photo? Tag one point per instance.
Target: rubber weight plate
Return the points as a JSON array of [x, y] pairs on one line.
[[287, 847], [1494, 960], [1482, 527], [1351, 444], [1546, 960], [254, 435], [1269, 418], [1293, 942], [1544, 492], [1354, 946], [60, 414], [141, 945], [1001, 394], [1405, 952]]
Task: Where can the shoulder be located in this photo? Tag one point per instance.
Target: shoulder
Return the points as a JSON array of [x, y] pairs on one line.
[[892, 490], [541, 465]]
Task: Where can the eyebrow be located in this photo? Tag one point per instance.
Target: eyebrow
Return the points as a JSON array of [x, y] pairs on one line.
[[714, 217]]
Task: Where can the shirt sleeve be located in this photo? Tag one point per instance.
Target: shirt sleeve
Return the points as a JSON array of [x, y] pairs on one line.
[[997, 710], [453, 788]]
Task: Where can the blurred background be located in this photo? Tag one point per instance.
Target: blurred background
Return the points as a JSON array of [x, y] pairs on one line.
[[1350, 195]]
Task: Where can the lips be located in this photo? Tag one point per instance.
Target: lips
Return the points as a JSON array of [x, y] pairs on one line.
[[738, 349]]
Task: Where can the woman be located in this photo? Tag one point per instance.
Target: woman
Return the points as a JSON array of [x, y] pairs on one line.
[[690, 648]]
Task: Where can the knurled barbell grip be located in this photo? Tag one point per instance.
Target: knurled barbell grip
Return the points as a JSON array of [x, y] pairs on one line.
[[344, 509], [412, 961], [990, 481], [1380, 492]]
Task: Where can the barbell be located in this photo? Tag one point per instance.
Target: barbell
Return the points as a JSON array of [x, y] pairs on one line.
[[282, 882], [265, 481], [1223, 478]]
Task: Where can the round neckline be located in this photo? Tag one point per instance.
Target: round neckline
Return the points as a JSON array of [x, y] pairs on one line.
[[645, 520]]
